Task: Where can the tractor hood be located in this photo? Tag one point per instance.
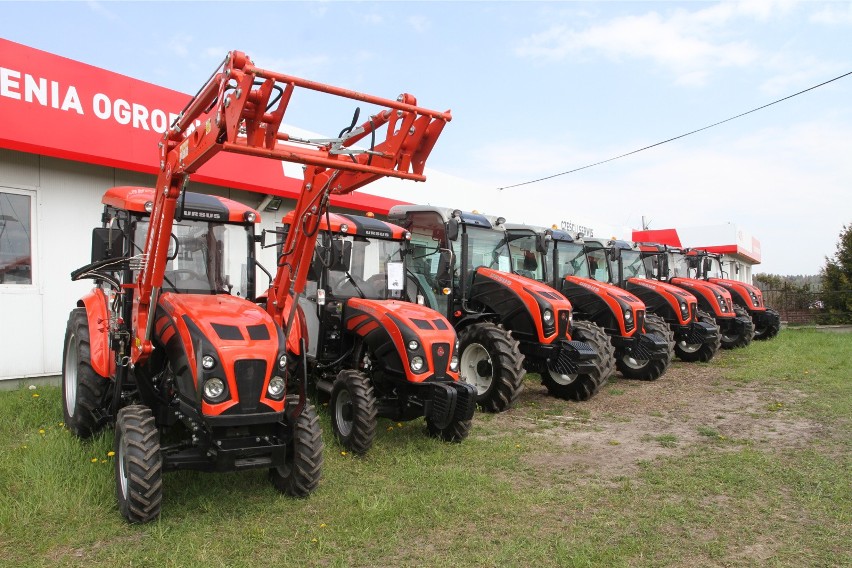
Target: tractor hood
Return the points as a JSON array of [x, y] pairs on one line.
[[714, 294], [749, 294], [655, 294], [241, 337], [523, 304], [391, 327], [589, 296]]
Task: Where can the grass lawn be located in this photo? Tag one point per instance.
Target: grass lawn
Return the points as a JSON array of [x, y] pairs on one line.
[[744, 461]]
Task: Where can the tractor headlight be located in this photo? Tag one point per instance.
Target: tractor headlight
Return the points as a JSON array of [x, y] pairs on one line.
[[754, 299], [276, 388], [722, 305], [208, 362], [282, 362], [628, 315], [214, 389], [417, 364], [413, 345], [456, 348], [454, 363], [547, 316], [684, 310]]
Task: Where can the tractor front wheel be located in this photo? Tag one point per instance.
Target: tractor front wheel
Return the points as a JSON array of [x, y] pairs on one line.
[[138, 464], [301, 472], [492, 362], [83, 390], [742, 339], [353, 411], [648, 369], [579, 387], [770, 327], [456, 431], [699, 352]]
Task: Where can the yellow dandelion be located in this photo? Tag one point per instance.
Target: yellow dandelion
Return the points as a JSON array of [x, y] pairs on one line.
[[36, 395], [399, 424], [94, 460], [342, 453], [314, 540], [61, 424], [517, 445], [23, 447], [110, 454], [41, 431], [103, 461], [390, 428], [323, 525]]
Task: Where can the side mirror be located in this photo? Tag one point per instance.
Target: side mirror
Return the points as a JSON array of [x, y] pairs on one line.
[[453, 229], [614, 254], [445, 268], [107, 243], [341, 255], [542, 243], [708, 264]]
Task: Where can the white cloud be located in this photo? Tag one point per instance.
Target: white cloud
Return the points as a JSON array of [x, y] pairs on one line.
[[419, 23], [179, 44], [101, 10], [833, 15]]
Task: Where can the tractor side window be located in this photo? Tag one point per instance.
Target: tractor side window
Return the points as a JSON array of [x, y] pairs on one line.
[[428, 271], [598, 267], [633, 265], [525, 259]]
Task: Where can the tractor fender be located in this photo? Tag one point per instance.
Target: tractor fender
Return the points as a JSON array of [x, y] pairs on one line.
[[95, 303]]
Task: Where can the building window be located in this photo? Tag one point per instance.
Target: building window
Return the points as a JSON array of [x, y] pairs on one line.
[[16, 238]]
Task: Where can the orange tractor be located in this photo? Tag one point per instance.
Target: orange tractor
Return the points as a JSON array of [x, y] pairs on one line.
[[171, 346]]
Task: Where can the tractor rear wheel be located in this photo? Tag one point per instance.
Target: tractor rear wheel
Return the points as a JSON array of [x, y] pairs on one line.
[[301, 472], [138, 464], [771, 326], [648, 369], [353, 411], [699, 352], [83, 390], [492, 362], [456, 431], [581, 387]]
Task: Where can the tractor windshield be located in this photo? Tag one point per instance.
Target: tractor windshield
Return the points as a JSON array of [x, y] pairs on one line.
[[715, 268], [681, 266], [205, 257], [570, 259], [633, 265], [524, 256], [366, 267], [487, 247], [598, 264]]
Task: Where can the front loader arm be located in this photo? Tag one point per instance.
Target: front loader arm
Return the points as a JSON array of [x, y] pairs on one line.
[[240, 110]]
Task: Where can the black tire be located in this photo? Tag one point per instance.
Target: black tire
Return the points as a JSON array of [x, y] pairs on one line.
[[455, 432], [735, 341], [138, 464], [699, 352], [491, 361], [584, 386], [300, 474], [648, 369], [83, 390], [771, 327], [353, 411]]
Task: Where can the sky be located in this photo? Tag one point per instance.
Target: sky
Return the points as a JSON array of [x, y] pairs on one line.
[[540, 88]]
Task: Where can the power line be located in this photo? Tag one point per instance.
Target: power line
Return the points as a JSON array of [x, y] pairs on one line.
[[676, 137]]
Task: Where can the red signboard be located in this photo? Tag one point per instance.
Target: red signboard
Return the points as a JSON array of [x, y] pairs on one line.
[[58, 107]]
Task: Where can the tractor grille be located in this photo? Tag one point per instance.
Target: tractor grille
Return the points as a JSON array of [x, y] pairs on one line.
[[441, 358], [640, 320], [250, 375]]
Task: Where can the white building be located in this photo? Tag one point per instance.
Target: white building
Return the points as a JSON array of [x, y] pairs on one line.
[[739, 249]]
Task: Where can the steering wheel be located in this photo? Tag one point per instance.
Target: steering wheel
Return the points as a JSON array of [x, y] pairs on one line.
[[186, 274]]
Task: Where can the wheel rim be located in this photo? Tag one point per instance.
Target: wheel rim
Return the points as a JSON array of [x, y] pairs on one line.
[[70, 386], [476, 367], [634, 363], [689, 347], [122, 472], [343, 413], [561, 379]]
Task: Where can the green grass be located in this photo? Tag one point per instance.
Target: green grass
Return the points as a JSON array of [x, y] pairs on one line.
[[486, 502]]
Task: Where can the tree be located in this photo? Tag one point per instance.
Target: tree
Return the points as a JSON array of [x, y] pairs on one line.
[[837, 280]]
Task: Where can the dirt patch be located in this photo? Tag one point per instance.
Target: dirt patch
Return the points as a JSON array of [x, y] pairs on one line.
[[630, 422]]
